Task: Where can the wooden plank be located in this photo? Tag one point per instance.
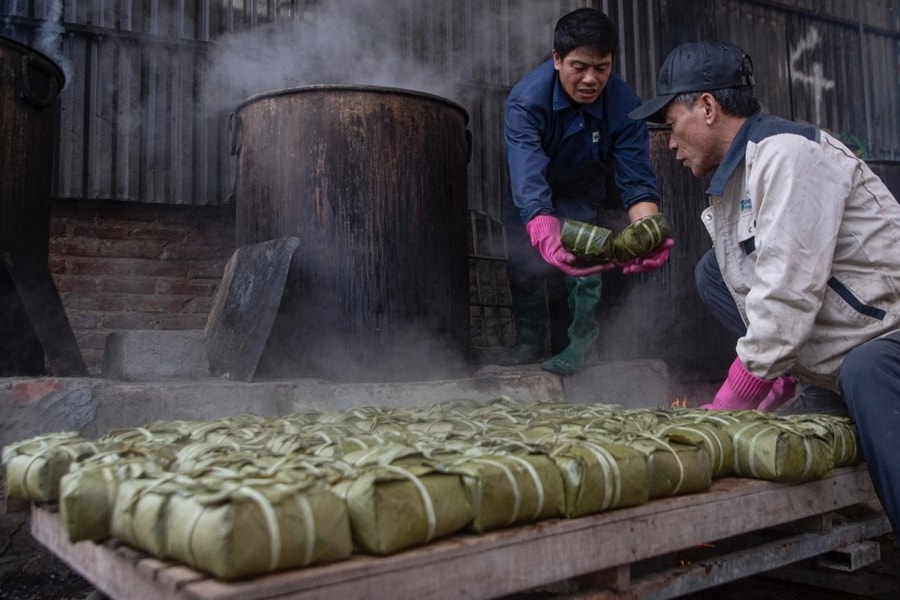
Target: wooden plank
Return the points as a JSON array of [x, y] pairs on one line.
[[109, 571], [496, 563], [726, 567]]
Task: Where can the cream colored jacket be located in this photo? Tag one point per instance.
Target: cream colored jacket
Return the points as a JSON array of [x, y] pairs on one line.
[[808, 241]]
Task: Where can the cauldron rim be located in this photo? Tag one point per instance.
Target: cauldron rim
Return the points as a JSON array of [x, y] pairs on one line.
[[333, 87], [26, 49]]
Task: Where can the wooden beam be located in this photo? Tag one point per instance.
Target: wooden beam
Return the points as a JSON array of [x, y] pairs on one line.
[[37, 291], [730, 566]]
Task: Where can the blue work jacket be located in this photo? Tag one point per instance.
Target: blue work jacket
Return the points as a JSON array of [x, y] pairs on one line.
[[559, 153]]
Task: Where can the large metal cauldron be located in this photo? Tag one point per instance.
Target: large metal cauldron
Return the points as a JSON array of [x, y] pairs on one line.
[[29, 87], [373, 182]]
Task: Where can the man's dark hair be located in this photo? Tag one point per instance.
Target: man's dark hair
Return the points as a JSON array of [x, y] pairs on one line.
[[585, 27], [735, 101]]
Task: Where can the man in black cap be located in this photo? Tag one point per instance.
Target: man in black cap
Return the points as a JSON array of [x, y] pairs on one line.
[[805, 265]]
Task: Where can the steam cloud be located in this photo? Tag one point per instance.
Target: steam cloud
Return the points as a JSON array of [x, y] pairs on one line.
[[388, 43], [49, 36], [365, 42]]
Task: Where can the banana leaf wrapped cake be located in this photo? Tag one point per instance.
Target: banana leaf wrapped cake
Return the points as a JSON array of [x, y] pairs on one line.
[[88, 492], [234, 527], [702, 433], [600, 475], [596, 244], [508, 488], [35, 466], [397, 500], [782, 451], [641, 237], [246, 495], [590, 243]]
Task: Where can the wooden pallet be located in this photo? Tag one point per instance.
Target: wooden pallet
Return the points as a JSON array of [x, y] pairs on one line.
[[604, 547]]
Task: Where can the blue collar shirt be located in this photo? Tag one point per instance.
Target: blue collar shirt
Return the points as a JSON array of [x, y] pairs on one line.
[[559, 152]]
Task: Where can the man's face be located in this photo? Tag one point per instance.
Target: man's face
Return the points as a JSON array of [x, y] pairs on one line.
[[692, 137], [583, 73]]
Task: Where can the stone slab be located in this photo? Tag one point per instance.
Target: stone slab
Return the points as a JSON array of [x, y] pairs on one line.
[[246, 305], [641, 383], [628, 383], [92, 406], [151, 355]]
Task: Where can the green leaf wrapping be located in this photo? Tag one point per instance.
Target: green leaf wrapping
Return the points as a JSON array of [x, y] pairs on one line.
[[161, 442], [35, 466], [393, 508], [843, 434], [674, 469], [139, 513], [401, 477], [324, 441], [847, 449], [507, 489], [235, 529], [600, 476], [88, 492], [641, 237], [588, 242], [781, 451], [710, 437]]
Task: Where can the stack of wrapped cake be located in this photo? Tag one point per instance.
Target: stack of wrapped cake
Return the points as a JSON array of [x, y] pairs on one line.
[[247, 495]]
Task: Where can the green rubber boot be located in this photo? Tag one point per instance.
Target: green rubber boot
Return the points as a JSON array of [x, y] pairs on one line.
[[584, 297], [530, 314]]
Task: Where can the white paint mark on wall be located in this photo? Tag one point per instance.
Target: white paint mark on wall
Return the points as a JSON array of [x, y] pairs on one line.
[[816, 80]]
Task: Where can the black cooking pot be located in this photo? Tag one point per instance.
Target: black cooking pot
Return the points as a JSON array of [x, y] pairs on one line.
[[372, 180], [29, 128], [29, 86]]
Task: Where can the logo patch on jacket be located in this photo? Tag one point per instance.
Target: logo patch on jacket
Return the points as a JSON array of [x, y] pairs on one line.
[[746, 205]]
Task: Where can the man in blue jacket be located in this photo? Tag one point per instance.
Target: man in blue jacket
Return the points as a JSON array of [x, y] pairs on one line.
[[567, 135]]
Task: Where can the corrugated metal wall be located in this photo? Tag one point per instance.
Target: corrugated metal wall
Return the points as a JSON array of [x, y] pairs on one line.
[[829, 62], [138, 123], [131, 128], [151, 83]]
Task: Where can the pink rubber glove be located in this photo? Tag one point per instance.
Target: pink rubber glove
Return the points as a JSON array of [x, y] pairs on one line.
[[784, 389], [651, 262], [544, 231], [742, 390]]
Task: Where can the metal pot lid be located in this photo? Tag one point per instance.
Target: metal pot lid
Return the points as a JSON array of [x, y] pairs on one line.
[[373, 89]]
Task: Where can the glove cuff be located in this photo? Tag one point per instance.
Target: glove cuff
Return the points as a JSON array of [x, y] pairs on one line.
[[541, 227], [747, 385]]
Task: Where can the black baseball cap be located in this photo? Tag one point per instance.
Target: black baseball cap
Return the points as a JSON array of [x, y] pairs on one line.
[[696, 67]]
